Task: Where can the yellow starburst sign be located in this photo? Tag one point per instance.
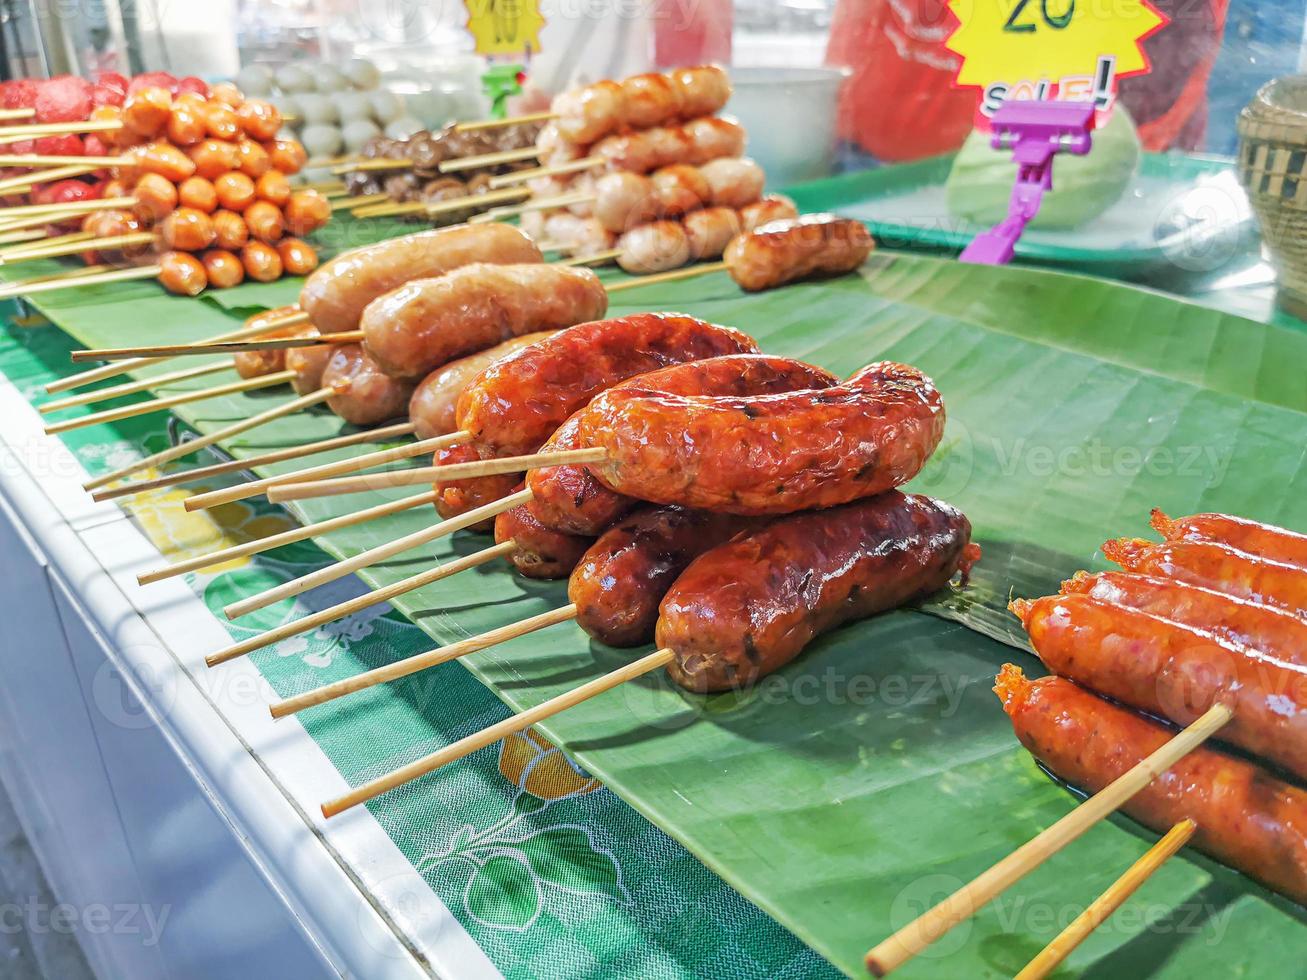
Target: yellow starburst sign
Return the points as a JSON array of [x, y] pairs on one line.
[[1043, 48], [505, 27]]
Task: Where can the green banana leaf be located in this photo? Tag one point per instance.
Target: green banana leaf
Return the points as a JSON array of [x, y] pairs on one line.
[[877, 773]]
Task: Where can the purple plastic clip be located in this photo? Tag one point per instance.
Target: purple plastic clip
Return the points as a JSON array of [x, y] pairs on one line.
[[1035, 131]]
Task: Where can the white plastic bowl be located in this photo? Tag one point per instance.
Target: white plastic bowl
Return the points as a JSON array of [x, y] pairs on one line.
[[789, 114]]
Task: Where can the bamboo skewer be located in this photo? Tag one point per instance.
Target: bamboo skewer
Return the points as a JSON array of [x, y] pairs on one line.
[[56, 160], [200, 442], [28, 235], [287, 537], [397, 430], [66, 208], [489, 159], [212, 347], [123, 367], [606, 256], [423, 661], [1102, 907], [34, 286], [171, 401], [40, 240], [454, 204], [17, 113], [375, 163], [9, 184], [365, 200], [525, 117], [351, 606], [131, 387], [374, 555], [893, 952], [495, 733], [10, 134], [673, 275], [555, 170], [283, 492], [81, 245], [537, 204], [379, 458]]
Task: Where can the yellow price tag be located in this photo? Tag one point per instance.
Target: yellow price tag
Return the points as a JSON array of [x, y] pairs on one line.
[[1051, 48], [505, 26]]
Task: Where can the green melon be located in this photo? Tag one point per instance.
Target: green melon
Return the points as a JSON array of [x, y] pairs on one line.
[[980, 183]]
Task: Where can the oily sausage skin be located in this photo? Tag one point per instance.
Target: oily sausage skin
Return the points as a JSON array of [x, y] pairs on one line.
[[255, 364], [455, 497], [771, 454], [308, 363], [516, 404], [1215, 566], [425, 323], [1253, 537], [1239, 621], [1246, 817], [540, 552], [1173, 671], [432, 407], [748, 607], [335, 295], [366, 395], [782, 251], [569, 498], [619, 582]]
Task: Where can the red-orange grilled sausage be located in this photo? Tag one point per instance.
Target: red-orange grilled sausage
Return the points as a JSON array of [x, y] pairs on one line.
[[429, 322], [1217, 567], [257, 363], [539, 552], [336, 294], [620, 580], [1173, 671], [1253, 537], [182, 273], [782, 251], [748, 607], [518, 402], [432, 409], [457, 497], [1237, 621], [1246, 817], [773, 454], [369, 395], [569, 498]]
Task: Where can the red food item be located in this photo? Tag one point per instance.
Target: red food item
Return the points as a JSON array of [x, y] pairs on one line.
[[772, 455], [64, 192], [457, 497], [190, 83], [110, 88], [517, 403], [223, 269], [1246, 817], [147, 111], [20, 93], [188, 230], [538, 552], [1251, 537], [64, 145], [748, 607], [213, 158], [619, 582], [569, 498], [182, 274], [94, 145], [1173, 671], [261, 262], [297, 256], [152, 79], [306, 211], [64, 98]]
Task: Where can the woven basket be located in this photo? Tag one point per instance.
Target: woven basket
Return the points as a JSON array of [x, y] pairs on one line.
[[1273, 168]]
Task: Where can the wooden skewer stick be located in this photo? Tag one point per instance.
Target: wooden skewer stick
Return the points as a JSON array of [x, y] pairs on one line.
[[32, 287], [364, 200], [209, 347], [171, 401], [64, 208], [1102, 907], [17, 113], [42, 240], [422, 661], [351, 606], [398, 430], [200, 442], [9, 134], [122, 367], [49, 174], [375, 163], [64, 274], [593, 257], [287, 537], [537, 204], [489, 736], [474, 202], [131, 387], [525, 117], [373, 555], [56, 160], [927, 928], [28, 235], [75, 247], [556, 170], [283, 492], [488, 159], [689, 272], [379, 458]]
